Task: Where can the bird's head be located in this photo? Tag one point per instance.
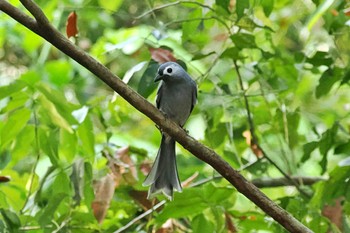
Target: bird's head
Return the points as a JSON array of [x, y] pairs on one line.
[[170, 71]]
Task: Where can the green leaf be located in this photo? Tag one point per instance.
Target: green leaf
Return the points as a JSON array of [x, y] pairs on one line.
[[86, 137], [88, 179], [320, 58], [5, 158], [336, 186], [241, 5], [346, 78], [77, 179], [193, 31], [188, 203], [14, 125], [49, 144], [24, 144], [147, 85], [327, 80], [62, 184], [17, 100], [267, 6], [308, 148], [6, 91], [292, 123], [57, 98], [55, 116], [324, 144], [243, 40], [199, 56], [31, 77], [59, 71], [68, 143], [216, 135], [80, 114], [222, 196], [201, 224], [343, 148], [224, 4], [232, 53], [110, 5], [12, 221], [328, 139], [47, 215]]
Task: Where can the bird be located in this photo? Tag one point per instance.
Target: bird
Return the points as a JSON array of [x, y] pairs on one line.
[[176, 98]]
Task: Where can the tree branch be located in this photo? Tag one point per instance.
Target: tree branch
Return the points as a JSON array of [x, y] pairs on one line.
[[202, 152], [284, 181]]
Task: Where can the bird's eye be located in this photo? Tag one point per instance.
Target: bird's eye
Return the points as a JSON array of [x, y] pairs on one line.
[[169, 70]]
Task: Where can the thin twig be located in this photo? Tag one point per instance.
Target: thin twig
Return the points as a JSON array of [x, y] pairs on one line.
[[255, 138], [141, 216], [38, 155], [151, 11]]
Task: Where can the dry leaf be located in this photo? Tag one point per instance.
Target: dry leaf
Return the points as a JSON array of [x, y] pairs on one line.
[[347, 11], [145, 168], [104, 190], [122, 167], [162, 55], [4, 179], [255, 147], [334, 12], [71, 25], [231, 228], [221, 37], [334, 212], [248, 137], [141, 198]]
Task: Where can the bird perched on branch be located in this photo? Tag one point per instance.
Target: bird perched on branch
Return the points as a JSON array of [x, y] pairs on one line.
[[176, 97]]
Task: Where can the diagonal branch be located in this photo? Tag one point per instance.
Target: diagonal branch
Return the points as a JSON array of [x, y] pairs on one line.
[[202, 152]]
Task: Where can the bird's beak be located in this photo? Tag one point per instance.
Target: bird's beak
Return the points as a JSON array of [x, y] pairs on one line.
[[158, 78]]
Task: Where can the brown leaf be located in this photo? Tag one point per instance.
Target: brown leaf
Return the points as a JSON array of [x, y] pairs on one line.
[[347, 11], [122, 167], [231, 228], [248, 137], [256, 150], [71, 25], [253, 146], [4, 179], [104, 190], [221, 37], [145, 168], [162, 55], [334, 212], [334, 12], [141, 198]]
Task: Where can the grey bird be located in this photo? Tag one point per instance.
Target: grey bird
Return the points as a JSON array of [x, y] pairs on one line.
[[176, 97]]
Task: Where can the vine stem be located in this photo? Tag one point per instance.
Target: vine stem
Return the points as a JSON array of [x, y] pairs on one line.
[[255, 141], [38, 155]]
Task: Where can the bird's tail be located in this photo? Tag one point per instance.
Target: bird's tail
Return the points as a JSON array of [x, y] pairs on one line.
[[163, 176]]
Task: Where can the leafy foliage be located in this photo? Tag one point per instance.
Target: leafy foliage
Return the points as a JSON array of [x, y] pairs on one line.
[[76, 153]]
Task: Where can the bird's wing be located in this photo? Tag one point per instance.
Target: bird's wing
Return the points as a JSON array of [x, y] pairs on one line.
[[159, 95], [194, 96]]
